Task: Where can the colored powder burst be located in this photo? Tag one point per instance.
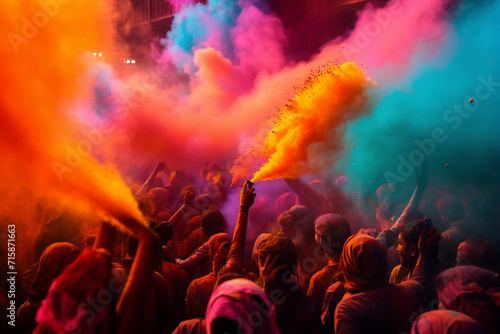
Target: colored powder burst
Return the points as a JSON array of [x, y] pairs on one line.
[[198, 25], [311, 123], [42, 154], [434, 119]]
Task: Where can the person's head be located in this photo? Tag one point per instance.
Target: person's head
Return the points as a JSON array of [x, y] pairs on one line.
[[297, 223], [473, 291], [332, 231], [450, 208], [158, 200], [363, 262], [218, 250], [165, 231], [239, 306], [212, 221], [408, 243], [55, 258], [445, 321], [476, 252], [202, 202], [183, 192], [79, 285], [278, 244], [178, 179]]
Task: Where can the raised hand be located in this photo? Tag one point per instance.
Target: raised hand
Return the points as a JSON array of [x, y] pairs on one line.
[[161, 165], [188, 198], [247, 197]]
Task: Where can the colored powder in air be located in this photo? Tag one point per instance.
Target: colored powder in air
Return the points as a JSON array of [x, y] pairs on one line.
[[43, 154], [311, 124], [429, 114]]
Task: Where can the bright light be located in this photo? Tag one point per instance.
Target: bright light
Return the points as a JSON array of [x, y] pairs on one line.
[[128, 61], [132, 61], [100, 54], [95, 54]]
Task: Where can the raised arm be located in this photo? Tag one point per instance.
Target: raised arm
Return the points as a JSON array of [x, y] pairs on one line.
[[182, 216], [389, 236], [422, 175], [132, 302], [307, 195], [235, 258], [146, 187]]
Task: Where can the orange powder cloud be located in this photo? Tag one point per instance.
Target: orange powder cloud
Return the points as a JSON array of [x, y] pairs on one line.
[[306, 135], [47, 53]]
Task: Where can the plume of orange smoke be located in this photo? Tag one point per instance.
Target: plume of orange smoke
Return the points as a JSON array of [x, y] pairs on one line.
[[306, 135], [47, 53]]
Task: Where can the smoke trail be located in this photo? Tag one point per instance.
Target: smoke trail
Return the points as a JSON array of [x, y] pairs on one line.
[[311, 123], [46, 82]]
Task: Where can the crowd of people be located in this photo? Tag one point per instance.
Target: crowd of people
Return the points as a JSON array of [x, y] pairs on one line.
[[324, 257]]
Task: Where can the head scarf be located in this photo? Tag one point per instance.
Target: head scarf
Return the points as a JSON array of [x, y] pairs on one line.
[[158, 199], [203, 201], [445, 322], [333, 230], [473, 291], [363, 262], [79, 299], [461, 280], [245, 303], [55, 258], [216, 241]]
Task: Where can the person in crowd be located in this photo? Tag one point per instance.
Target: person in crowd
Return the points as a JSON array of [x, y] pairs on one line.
[[452, 212], [240, 306], [200, 289], [371, 305], [445, 322], [298, 225], [86, 289], [277, 260], [331, 233], [477, 252], [53, 261], [227, 258], [313, 276], [159, 314], [472, 291], [212, 222]]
